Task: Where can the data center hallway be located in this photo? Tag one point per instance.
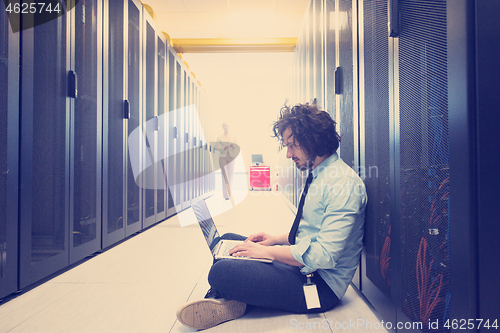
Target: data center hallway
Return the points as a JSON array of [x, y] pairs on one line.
[[138, 285]]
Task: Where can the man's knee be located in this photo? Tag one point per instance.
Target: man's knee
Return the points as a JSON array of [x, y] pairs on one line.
[[232, 236], [218, 274]]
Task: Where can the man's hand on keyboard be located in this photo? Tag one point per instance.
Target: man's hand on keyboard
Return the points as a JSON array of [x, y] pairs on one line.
[[250, 249]]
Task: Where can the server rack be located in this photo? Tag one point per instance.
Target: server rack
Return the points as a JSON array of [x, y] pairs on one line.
[[149, 121], [74, 90], [375, 152], [134, 101], [190, 144], [162, 193], [86, 130], [173, 135], [9, 156], [45, 155], [180, 142], [115, 124]]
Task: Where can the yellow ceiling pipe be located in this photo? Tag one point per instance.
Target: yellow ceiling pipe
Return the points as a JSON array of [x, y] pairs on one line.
[[213, 45], [185, 63], [167, 37], [150, 11]]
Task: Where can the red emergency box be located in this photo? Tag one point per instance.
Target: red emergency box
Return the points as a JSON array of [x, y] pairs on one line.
[[260, 177]]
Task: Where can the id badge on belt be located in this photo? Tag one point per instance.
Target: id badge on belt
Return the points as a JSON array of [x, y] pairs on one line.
[[311, 293]]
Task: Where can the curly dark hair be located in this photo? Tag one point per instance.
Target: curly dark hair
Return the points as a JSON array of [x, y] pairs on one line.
[[313, 129]]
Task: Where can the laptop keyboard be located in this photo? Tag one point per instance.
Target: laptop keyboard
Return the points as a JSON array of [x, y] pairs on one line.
[[226, 247]]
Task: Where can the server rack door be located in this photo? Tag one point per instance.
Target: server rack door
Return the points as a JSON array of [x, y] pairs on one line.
[[194, 140], [9, 156], [302, 62], [86, 129], [189, 139], [199, 150], [422, 145], [161, 147], [115, 124], [468, 44], [206, 151], [185, 143], [180, 142], [348, 116], [202, 144], [309, 53], [172, 134], [134, 71], [374, 83], [149, 123], [330, 58], [208, 162], [195, 137], [318, 54], [44, 173]]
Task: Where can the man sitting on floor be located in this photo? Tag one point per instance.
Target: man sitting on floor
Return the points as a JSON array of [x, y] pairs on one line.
[[314, 263]]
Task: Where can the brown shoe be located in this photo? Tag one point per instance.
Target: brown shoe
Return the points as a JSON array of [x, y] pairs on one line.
[[209, 312]]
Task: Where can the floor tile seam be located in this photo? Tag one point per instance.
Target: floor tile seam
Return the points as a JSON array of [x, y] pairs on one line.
[[47, 305]]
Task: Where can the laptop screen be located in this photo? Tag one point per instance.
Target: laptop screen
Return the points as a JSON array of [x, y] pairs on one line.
[[206, 223]]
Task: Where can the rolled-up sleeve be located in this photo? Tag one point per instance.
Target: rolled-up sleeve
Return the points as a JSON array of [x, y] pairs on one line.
[[333, 215]]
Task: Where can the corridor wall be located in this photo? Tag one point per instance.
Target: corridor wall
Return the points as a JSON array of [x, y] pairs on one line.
[[75, 93]]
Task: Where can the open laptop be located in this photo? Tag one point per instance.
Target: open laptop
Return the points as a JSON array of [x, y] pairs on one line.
[[219, 247]]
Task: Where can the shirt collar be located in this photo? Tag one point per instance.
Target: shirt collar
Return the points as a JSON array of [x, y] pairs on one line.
[[323, 165]]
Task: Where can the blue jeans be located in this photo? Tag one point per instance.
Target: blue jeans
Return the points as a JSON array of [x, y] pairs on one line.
[[277, 285]]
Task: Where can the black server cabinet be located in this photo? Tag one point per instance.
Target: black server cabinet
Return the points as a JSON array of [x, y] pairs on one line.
[[180, 137], [194, 145], [173, 133], [120, 206], [60, 199], [9, 156], [134, 100], [199, 151], [189, 138], [317, 44], [346, 83], [161, 148], [185, 121], [86, 130], [149, 123], [194, 141], [207, 157], [421, 164], [45, 150], [180, 163], [115, 124], [425, 241], [473, 93], [376, 155], [330, 56]]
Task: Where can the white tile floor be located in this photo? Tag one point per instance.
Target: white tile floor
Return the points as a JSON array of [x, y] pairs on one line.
[[138, 285]]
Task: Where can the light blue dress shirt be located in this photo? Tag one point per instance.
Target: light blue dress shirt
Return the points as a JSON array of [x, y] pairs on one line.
[[330, 235]]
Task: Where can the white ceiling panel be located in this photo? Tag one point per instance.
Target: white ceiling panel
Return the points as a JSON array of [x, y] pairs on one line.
[[192, 25], [229, 18], [206, 6], [291, 5], [251, 6], [171, 6]]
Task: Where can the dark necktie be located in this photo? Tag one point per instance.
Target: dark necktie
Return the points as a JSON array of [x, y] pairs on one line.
[[295, 226]]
